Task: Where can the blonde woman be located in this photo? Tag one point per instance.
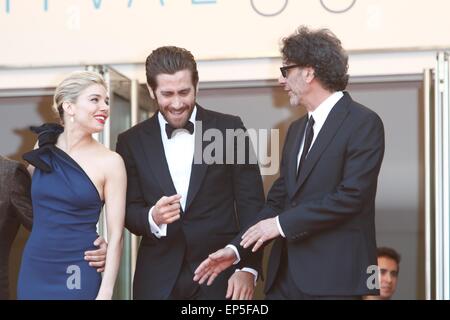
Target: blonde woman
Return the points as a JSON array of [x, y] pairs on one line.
[[73, 176]]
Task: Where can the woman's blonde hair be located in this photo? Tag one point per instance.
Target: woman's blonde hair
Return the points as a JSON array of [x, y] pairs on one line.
[[72, 86]]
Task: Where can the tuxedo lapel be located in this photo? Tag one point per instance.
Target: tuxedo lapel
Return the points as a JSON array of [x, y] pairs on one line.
[[198, 171], [326, 134], [156, 157]]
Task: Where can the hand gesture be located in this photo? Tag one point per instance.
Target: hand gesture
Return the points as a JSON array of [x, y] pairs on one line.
[[241, 286], [166, 210], [259, 233], [212, 266]]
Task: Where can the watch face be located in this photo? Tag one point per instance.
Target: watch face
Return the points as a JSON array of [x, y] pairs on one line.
[[337, 6], [269, 8]]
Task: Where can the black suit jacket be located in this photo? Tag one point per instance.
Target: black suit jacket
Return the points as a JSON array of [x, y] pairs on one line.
[[222, 199], [328, 214], [15, 209]]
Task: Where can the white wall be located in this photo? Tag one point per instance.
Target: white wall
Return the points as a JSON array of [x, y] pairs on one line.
[[72, 32], [42, 40]]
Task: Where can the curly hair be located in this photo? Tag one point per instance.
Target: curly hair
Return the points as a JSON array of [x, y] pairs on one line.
[[320, 50]]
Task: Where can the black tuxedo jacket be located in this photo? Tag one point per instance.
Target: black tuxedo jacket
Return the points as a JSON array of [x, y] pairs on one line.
[[222, 200], [328, 213], [15, 209]]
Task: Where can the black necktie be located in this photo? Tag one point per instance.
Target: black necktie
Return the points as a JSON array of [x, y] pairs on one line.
[[309, 134], [189, 126]]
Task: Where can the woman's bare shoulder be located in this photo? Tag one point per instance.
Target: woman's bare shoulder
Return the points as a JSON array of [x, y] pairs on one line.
[[109, 158]]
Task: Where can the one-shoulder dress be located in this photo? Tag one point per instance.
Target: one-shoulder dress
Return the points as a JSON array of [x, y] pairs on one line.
[[66, 209]]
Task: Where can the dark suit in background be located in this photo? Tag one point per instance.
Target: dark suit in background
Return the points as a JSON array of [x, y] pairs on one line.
[[15, 209]]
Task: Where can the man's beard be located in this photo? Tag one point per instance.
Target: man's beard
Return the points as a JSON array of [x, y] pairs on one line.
[[178, 125]]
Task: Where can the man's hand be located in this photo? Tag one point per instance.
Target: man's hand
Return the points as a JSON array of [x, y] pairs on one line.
[[241, 286], [166, 210], [261, 232], [97, 258], [212, 266]]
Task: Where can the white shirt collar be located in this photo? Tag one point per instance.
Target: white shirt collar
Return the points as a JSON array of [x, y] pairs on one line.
[[320, 114]]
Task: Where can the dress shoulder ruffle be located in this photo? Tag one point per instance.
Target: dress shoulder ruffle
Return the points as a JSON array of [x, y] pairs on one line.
[[48, 134]]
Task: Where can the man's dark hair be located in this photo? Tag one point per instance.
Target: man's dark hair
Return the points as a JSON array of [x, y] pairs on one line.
[[389, 253], [320, 50], [169, 60]]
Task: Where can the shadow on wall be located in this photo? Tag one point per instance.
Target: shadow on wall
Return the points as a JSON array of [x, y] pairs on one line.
[[24, 112], [281, 101]]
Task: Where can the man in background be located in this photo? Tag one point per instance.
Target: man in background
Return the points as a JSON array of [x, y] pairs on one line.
[[388, 269]]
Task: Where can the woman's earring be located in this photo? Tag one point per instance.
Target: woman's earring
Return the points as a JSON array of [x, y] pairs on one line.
[[71, 119]]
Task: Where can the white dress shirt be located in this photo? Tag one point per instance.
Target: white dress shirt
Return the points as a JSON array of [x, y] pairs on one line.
[[320, 115], [181, 143]]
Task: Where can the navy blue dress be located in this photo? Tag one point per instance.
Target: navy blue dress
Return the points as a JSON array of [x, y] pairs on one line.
[[66, 209]]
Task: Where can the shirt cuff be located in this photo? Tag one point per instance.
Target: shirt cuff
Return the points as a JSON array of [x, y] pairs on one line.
[[277, 218], [252, 271], [158, 231], [236, 252]]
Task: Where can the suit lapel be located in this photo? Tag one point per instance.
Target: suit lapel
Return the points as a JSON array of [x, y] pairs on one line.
[[198, 171], [156, 157], [293, 157], [326, 134]]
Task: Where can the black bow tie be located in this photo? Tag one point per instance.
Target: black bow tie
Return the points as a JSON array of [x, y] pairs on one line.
[[189, 126]]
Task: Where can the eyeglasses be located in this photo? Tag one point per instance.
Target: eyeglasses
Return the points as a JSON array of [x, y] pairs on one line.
[[286, 68]]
